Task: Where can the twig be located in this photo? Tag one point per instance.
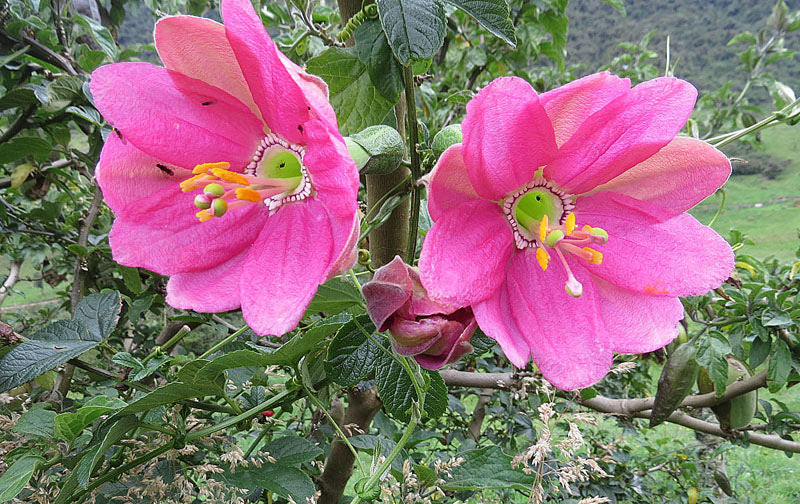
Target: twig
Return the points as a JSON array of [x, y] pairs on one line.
[[11, 279]]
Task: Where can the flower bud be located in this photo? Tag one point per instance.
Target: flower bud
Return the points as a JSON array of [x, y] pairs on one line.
[[376, 149], [433, 333], [447, 136]]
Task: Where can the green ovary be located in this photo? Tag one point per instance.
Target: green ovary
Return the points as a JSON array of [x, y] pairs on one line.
[[534, 205], [281, 164]]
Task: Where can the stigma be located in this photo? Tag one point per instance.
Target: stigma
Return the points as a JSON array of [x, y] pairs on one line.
[[274, 177], [542, 218]]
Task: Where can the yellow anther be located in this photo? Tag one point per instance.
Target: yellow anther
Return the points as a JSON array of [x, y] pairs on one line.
[[570, 223], [542, 257], [203, 215], [597, 257], [586, 228], [190, 184], [543, 228], [205, 167], [246, 194], [230, 176]]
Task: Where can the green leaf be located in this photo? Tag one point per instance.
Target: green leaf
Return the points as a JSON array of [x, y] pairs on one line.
[[37, 422], [492, 14], [436, 397], [282, 480], [759, 351], [678, 377], [99, 313], [127, 360], [294, 349], [487, 468], [49, 348], [22, 147], [68, 426], [351, 355], [415, 28], [131, 278], [111, 435], [617, 4], [99, 33], [397, 392], [235, 359], [776, 318], [334, 296], [168, 394], [17, 476], [18, 97], [383, 147], [357, 102], [373, 50], [711, 351], [780, 365], [292, 450]]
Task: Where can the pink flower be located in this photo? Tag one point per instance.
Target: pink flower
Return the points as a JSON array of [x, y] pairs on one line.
[[560, 220], [232, 128], [434, 333]]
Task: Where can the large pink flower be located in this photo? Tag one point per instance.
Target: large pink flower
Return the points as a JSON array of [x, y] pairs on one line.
[[226, 171], [560, 220]]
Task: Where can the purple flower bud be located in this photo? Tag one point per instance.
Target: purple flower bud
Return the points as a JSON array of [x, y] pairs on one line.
[[433, 333]]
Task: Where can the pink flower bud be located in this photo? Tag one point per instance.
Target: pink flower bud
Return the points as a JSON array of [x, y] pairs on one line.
[[433, 333]]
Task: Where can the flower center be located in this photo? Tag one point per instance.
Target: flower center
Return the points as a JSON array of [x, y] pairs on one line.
[[275, 176], [541, 216]]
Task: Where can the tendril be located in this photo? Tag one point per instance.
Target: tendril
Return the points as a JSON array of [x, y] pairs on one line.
[[369, 11]]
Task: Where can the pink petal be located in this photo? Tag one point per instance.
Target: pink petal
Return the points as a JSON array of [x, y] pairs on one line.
[[283, 105], [646, 253], [315, 90], [387, 292], [622, 134], [464, 255], [495, 319], [161, 112], [285, 266], [209, 291], [454, 351], [507, 137], [679, 176], [637, 323], [570, 105], [126, 174], [448, 183], [161, 233], [197, 47], [334, 177], [567, 337]]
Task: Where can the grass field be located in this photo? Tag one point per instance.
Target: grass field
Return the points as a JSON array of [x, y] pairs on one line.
[[772, 226]]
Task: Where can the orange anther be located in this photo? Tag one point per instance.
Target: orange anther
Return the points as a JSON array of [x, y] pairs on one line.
[[230, 176], [597, 257], [543, 228], [569, 224], [203, 215], [247, 194], [542, 257], [205, 167]]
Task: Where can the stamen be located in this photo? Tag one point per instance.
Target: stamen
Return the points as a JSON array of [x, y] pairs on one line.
[[230, 176], [214, 190], [573, 286], [218, 207], [206, 167], [553, 237], [597, 257], [543, 228], [203, 215], [191, 184], [202, 201], [247, 194], [569, 224], [543, 258]]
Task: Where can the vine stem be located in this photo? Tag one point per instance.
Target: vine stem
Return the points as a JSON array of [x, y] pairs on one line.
[[413, 138], [721, 140], [223, 343]]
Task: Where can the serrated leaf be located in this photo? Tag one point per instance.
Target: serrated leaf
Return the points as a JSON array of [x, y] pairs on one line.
[[22, 147], [492, 14], [68, 426], [334, 296], [49, 348], [168, 394], [37, 422], [112, 434], [357, 102], [235, 359], [99, 33], [780, 365], [18, 97], [415, 28], [351, 355], [436, 396], [17, 476], [284, 481], [125, 359], [99, 313], [373, 50], [487, 468], [291, 352], [292, 450], [395, 387]]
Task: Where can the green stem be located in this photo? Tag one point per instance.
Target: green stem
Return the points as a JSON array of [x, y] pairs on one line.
[[255, 444], [223, 343], [721, 206], [238, 418], [352, 274], [183, 331], [413, 138], [335, 425], [391, 192], [770, 120]]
